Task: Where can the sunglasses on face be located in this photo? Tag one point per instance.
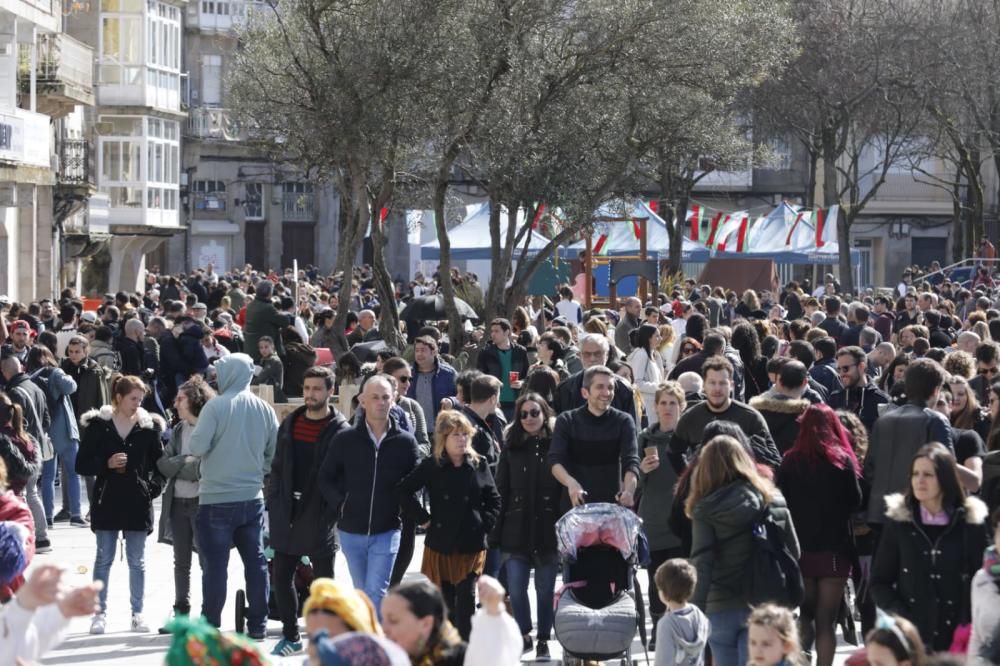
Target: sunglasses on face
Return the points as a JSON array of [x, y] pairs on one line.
[[989, 371], [845, 368], [531, 413], [405, 379]]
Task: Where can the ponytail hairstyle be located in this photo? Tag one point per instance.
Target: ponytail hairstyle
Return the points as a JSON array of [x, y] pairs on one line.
[[122, 385], [12, 417]]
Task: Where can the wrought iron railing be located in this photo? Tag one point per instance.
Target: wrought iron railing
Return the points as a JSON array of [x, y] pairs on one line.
[[74, 162]]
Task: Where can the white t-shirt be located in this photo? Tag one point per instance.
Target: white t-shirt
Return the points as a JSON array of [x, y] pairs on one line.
[[570, 310]]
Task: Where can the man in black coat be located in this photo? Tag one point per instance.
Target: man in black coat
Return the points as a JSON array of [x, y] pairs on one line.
[[481, 410], [593, 351], [360, 478], [301, 520], [783, 404]]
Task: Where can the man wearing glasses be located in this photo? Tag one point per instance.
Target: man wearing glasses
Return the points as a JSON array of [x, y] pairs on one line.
[[859, 395], [987, 359], [593, 352]]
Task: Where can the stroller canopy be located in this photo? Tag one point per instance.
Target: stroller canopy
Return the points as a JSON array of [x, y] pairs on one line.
[[598, 524]]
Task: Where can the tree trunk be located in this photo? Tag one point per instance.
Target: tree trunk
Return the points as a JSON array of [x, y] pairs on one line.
[[456, 333], [388, 312], [809, 201], [499, 261], [353, 220], [843, 222], [976, 227]]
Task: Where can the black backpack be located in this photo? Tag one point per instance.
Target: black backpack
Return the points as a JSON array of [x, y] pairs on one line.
[[773, 571]]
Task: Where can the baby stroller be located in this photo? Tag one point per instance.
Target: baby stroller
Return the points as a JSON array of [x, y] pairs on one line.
[[600, 604], [304, 576]]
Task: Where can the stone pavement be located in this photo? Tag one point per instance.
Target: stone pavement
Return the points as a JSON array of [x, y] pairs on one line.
[[74, 549]]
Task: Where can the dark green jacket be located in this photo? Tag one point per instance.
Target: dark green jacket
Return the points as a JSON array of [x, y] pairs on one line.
[[263, 319], [726, 517]]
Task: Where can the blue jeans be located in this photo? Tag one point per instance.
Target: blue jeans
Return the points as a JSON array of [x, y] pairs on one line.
[[370, 560], [729, 637], [135, 553], [66, 457], [518, 572], [220, 526]]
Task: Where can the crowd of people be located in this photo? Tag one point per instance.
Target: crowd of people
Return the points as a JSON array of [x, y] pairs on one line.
[[859, 434]]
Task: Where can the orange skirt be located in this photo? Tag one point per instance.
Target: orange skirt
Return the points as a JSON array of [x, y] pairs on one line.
[[451, 568]]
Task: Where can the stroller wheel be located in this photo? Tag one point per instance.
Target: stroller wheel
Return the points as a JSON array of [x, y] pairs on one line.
[[241, 611]]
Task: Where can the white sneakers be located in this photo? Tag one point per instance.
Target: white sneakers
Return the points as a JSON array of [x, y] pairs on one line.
[[99, 623], [139, 625]]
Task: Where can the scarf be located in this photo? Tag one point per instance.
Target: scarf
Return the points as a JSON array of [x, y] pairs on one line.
[[928, 518], [991, 562], [447, 641]]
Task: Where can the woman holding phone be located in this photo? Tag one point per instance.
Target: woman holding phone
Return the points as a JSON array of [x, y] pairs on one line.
[[121, 446]]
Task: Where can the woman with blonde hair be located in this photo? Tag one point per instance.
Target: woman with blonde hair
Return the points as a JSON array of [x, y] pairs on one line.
[[728, 496], [966, 412], [464, 506], [666, 347]]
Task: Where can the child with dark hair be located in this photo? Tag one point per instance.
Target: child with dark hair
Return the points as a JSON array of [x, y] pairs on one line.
[[682, 632]]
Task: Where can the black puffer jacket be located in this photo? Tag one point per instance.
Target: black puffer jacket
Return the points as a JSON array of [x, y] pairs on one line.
[[529, 497], [927, 579], [121, 501], [464, 503]]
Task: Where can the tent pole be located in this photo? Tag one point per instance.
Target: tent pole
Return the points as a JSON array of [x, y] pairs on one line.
[[643, 283], [588, 271]]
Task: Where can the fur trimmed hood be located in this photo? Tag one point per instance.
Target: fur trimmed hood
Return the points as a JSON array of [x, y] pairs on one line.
[[897, 509], [146, 420], [768, 402]]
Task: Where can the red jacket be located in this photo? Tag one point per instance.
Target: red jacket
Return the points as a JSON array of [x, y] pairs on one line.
[[14, 509]]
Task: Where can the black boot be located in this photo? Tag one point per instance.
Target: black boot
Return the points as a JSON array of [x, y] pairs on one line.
[[655, 617]]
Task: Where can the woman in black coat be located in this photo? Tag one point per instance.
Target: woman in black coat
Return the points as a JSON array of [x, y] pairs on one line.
[[121, 446], [930, 547], [525, 531], [464, 506]]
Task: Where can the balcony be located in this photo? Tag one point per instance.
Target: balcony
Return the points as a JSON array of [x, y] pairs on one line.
[[74, 163], [64, 74], [212, 124], [74, 179]]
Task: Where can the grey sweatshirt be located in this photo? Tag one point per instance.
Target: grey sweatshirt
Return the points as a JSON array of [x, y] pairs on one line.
[[681, 637]]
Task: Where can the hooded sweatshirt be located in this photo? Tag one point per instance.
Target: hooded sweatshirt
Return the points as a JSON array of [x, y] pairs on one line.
[[681, 636], [236, 436]]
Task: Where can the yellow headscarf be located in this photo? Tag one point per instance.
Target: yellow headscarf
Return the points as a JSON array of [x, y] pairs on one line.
[[350, 605]]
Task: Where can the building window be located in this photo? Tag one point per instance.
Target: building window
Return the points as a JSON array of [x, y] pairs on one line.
[[211, 80], [209, 195], [297, 200], [253, 205]]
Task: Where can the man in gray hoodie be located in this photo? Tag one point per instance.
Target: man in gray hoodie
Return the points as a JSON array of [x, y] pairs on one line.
[[235, 438]]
